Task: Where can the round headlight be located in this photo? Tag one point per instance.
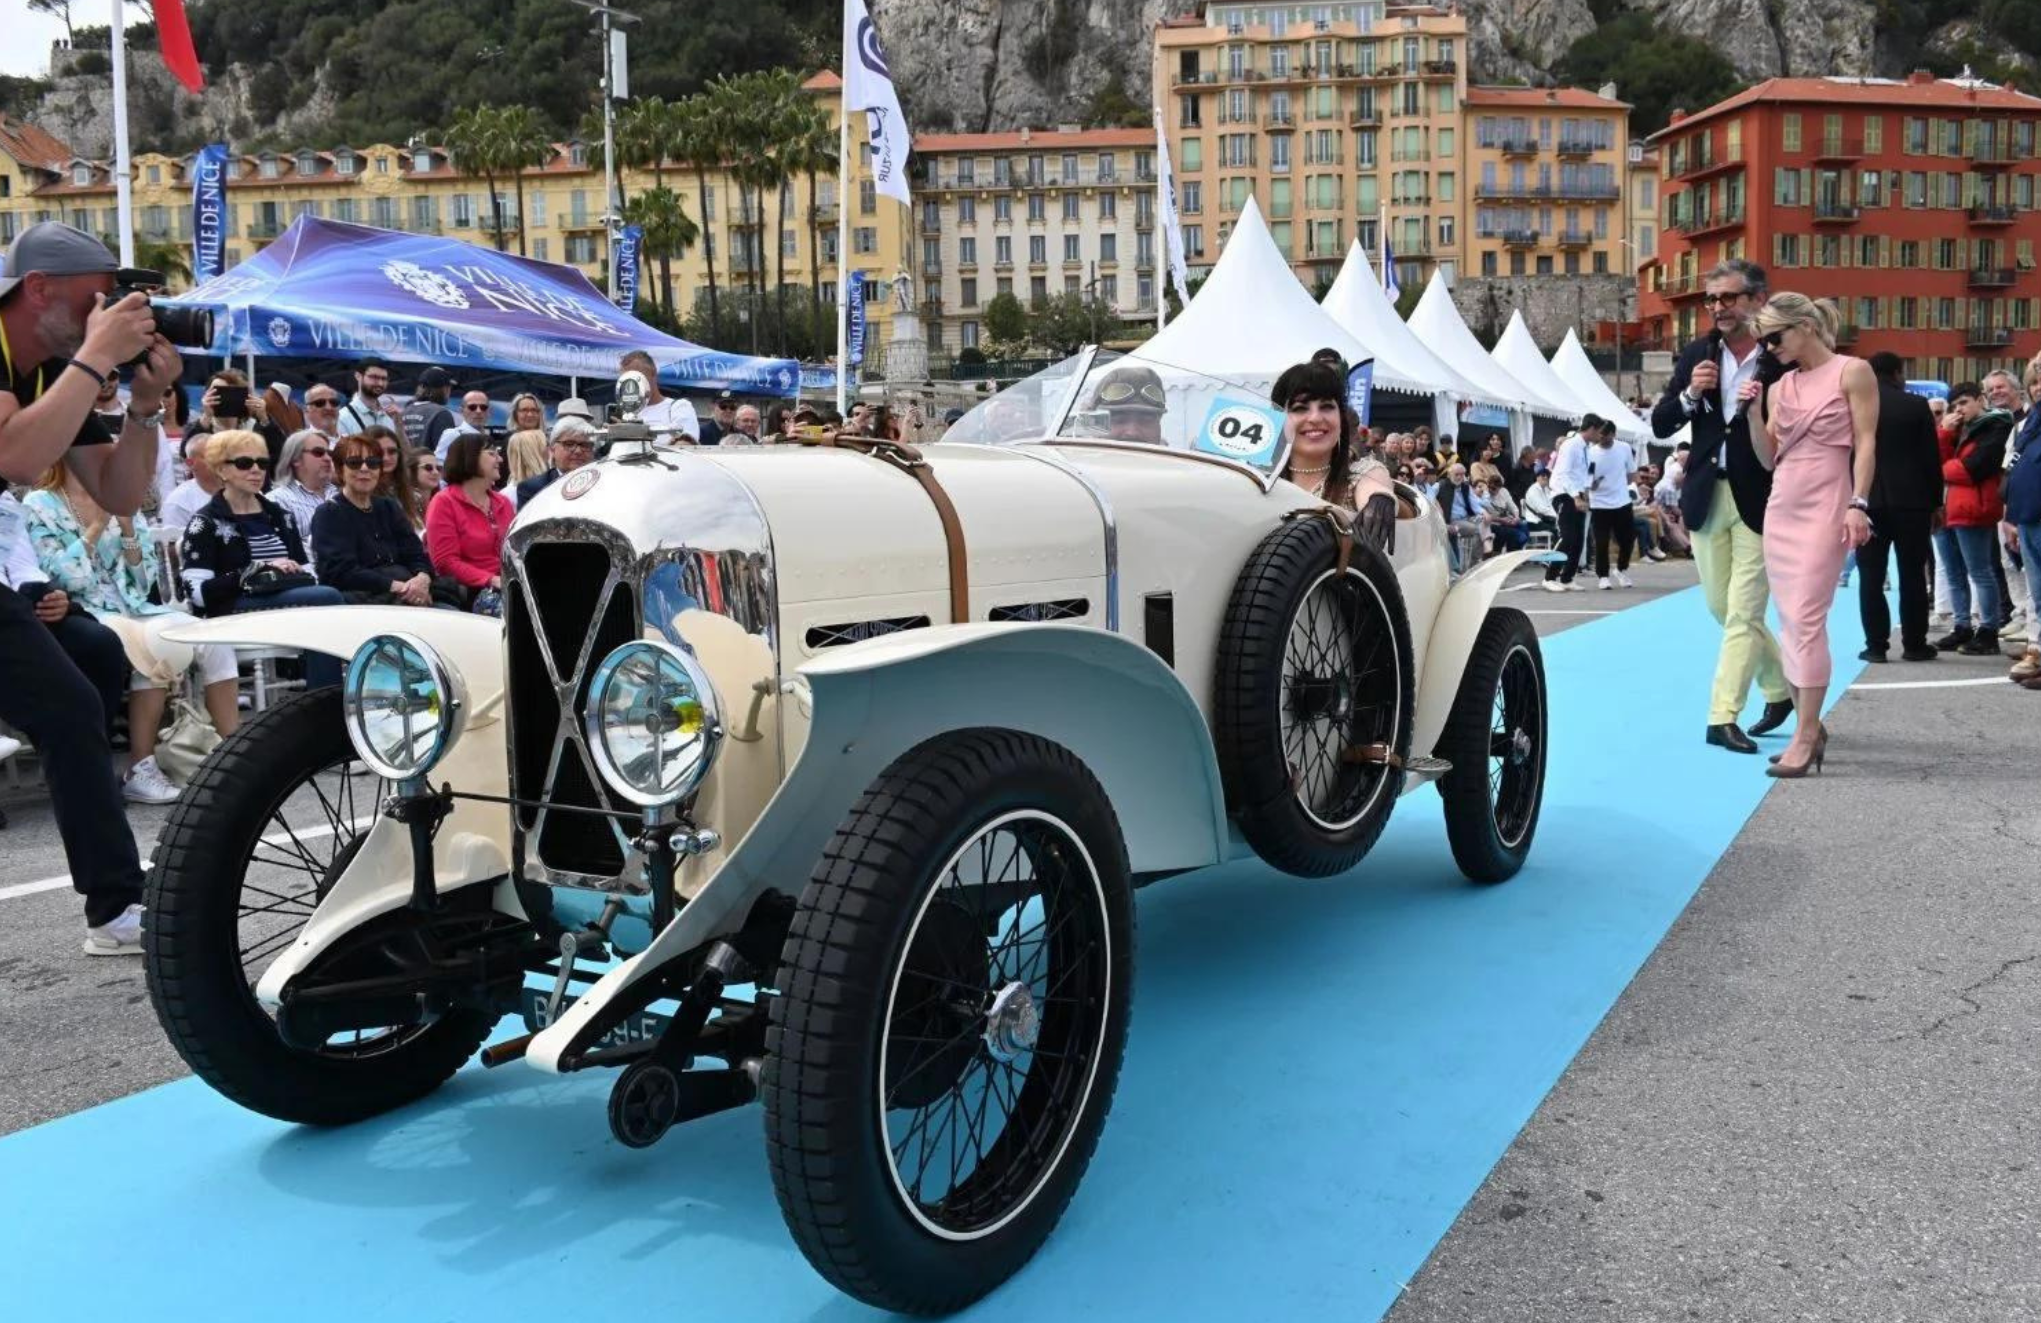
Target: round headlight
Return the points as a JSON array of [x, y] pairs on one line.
[[403, 706], [653, 721]]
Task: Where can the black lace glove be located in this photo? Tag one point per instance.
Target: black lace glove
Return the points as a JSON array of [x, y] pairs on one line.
[[1378, 523]]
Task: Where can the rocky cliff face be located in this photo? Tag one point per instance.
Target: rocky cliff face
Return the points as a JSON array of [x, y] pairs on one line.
[[973, 65], [79, 110]]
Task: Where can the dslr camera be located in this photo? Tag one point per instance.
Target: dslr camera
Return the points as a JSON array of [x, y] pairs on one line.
[[186, 328]]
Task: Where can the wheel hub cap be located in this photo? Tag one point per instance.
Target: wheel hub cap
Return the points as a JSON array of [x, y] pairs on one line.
[[1013, 1023], [1520, 746]]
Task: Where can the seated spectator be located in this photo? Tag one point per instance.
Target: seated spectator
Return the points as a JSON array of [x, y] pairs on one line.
[[305, 482], [526, 413], [1644, 506], [525, 453], [91, 646], [1540, 516], [1485, 470], [194, 493], [366, 548], [744, 429], [465, 524], [1462, 507], [1505, 517], [1423, 477], [422, 469], [394, 478], [322, 408], [278, 409], [1665, 495], [573, 446], [107, 565], [243, 551]]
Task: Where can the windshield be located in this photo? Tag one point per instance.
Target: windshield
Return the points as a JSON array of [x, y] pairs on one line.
[[1129, 399]]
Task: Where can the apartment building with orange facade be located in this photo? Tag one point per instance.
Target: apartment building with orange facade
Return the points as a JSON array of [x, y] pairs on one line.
[[1909, 202], [1547, 168], [1331, 116]]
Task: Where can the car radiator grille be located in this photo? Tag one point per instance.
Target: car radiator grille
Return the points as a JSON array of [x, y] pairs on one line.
[[558, 597]]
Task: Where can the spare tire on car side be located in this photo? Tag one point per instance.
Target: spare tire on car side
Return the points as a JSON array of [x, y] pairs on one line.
[[1315, 697]]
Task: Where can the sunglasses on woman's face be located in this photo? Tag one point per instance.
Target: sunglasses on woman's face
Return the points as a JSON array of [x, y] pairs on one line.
[[428, 468], [1774, 340], [247, 462], [363, 461]]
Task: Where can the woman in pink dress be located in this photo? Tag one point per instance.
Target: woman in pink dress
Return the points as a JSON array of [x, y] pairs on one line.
[[1817, 431]]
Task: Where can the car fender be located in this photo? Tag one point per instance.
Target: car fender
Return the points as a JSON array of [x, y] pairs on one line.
[[1453, 632], [473, 844], [1108, 700]]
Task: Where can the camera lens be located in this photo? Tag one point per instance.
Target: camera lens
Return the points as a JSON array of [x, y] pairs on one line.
[[187, 328]]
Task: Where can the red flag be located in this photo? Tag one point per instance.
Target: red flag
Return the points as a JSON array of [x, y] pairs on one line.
[[174, 34]]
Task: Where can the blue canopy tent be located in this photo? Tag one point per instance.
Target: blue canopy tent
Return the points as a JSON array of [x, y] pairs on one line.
[[327, 289]]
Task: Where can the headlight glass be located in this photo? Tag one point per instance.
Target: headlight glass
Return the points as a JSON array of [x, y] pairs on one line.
[[653, 721], [402, 706]]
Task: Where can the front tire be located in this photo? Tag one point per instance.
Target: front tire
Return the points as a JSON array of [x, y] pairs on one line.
[[264, 829], [955, 993], [1495, 740]]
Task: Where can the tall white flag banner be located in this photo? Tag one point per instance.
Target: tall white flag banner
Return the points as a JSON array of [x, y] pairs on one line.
[[1172, 227], [868, 86]]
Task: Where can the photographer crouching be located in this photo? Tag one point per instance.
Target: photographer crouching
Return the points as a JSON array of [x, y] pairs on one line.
[[63, 335]]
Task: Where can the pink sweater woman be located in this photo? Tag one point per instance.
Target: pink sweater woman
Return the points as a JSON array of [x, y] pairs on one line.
[[465, 524], [1817, 431]]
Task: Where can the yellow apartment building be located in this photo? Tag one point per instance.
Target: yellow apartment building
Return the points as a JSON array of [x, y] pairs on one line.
[[414, 187], [1547, 168], [1330, 116]]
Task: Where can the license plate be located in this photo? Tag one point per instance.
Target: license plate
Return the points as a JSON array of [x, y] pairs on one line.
[[643, 1027]]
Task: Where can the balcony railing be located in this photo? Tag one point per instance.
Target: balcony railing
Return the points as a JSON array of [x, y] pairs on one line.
[[1365, 119], [931, 268], [1411, 200], [931, 224], [1279, 121], [1694, 165], [1579, 147], [1838, 148], [1440, 68], [823, 213], [1988, 337], [1575, 238], [1992, 214], [1518, 146], [1992, 151], [1836, 213], [1411, 154], [1520, 238], [1702, 222], [1992, 277], [1580, 192]]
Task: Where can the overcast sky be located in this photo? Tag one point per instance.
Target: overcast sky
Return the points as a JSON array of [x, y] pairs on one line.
[[27, 48]]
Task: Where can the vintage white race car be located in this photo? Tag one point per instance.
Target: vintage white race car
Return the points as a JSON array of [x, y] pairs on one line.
[[836, 766]]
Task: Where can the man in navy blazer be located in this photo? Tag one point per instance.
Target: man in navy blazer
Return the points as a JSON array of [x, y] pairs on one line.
[[572, 446], [1724, 495]]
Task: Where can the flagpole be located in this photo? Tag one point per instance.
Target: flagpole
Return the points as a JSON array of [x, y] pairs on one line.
[[122, 186], [845, 163], [1162, 173], [1382, 244]]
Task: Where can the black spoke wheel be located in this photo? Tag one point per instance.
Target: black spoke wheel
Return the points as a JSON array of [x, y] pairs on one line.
[[1312, 714], [1495, 739], [953, 1012], [269, 823]]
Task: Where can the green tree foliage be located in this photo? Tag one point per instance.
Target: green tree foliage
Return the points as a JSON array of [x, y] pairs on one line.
[[1006, 321], [1656, 72], [396, 65], [1065, 323]]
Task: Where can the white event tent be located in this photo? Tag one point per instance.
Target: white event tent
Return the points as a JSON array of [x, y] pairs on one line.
[[1252, 319], [1570, 364], [1518, 352], [1357, 302], [1438, 323]]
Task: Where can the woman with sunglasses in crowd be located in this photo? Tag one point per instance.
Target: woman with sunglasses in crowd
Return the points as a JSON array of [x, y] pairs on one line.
[[1319, 427], [422, 479], [393, 479], [1816, 430], [243, 551], [365, 546]]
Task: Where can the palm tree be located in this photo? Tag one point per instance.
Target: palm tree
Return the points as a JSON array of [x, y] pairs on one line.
[[696, 138], [784, 105], [525, 145], [814, 151], [474, 143], [668, 230]]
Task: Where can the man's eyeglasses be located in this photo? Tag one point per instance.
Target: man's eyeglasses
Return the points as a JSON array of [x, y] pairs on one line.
[[328, 402], [579, 444], [363, 461], [1723, 300], [316, 452], [247, 462]]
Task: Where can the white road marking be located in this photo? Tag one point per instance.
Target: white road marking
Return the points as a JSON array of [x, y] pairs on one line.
[[62, 880], [1529, 612], [1936, 684]]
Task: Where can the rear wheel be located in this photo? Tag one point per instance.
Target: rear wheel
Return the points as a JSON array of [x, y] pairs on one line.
[[1495, 740], [269, 823], [953, 1012]]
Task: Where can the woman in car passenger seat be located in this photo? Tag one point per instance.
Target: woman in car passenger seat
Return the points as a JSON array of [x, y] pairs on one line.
[[1322, 461]]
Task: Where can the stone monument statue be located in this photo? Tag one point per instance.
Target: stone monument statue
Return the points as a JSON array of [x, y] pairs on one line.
[[906, 346]]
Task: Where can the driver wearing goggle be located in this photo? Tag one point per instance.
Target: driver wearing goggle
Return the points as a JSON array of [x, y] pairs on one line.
[[1133, 402]]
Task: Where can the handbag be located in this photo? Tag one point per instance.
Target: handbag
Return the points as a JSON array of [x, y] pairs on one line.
[[190, 740], [267, 580]]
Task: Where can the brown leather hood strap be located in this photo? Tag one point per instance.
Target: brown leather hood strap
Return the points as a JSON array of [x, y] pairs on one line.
[[1342, 524], [909, 460]]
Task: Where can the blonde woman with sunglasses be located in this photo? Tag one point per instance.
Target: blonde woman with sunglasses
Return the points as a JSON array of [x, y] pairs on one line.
[[1816, 430]]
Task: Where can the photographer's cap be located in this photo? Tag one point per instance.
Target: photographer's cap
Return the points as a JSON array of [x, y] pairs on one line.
[[55, 249]]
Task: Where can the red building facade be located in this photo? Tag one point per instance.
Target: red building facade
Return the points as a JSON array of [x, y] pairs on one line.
[[1911, 204]]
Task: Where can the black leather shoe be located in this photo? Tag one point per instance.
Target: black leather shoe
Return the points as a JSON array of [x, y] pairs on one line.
[[1955, 638], [1873, 655], [1731, 737], [1775, 715], [1925, 652]]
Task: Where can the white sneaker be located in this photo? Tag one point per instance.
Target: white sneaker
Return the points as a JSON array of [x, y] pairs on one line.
[[1654, 555], [9, 746], [146, 784], [1622, 580], [1553, 586], [122, 936], [1604, 584], [1576, 587]]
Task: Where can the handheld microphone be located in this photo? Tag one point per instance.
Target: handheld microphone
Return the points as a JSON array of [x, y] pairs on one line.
[[1715, 357]]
